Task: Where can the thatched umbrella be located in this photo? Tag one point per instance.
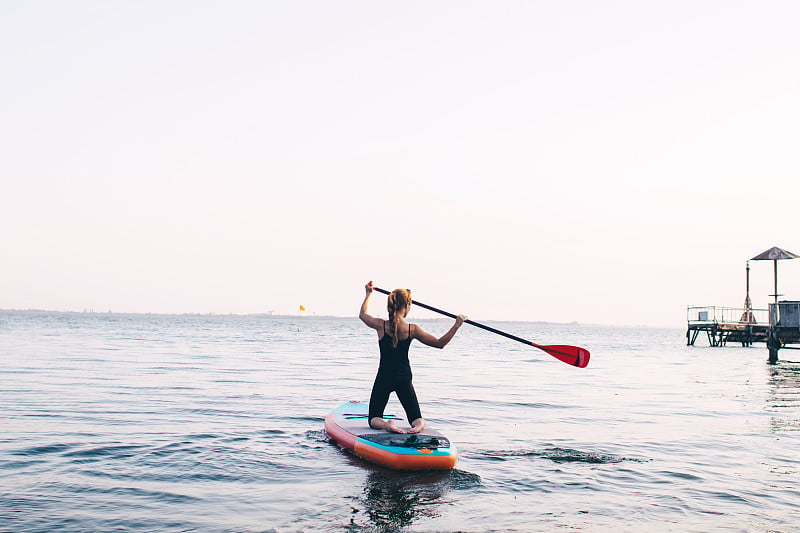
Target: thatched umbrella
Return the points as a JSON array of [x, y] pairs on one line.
[[775, 254]]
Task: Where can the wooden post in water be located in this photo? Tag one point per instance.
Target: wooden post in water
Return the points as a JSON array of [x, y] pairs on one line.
[[773, 339], [773, 345]]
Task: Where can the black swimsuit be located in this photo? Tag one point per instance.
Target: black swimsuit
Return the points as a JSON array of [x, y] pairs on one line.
[[394, 374]]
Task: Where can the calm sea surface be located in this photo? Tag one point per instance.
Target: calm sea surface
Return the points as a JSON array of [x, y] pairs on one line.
[[214, 423]]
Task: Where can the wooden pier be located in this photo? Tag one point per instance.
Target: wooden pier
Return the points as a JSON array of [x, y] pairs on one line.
[[727, 324], [778, 326]]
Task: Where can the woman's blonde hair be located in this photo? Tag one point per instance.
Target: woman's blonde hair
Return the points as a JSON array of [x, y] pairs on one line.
[[398, 304]]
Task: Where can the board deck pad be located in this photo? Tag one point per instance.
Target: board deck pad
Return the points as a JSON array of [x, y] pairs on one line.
[[347, 425]]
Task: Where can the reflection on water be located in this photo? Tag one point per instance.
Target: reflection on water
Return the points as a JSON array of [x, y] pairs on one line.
[[393, 500], [784, 397]]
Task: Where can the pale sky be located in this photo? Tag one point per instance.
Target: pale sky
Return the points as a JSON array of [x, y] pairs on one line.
[[600, 162]]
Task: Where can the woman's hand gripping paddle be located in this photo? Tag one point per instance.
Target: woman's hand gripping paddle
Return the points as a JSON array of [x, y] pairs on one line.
[[572, 355]]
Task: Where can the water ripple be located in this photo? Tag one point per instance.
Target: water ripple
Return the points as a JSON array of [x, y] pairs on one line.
[[555, 454], [44, 449]]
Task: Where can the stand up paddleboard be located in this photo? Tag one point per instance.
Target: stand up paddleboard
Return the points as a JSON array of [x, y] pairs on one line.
[[347, 425]]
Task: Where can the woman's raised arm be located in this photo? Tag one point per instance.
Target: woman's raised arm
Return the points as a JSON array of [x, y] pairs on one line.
[[366, 318], [426, 338]]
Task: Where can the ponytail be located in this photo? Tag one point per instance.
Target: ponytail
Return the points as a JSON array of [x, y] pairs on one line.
[[398, 303]]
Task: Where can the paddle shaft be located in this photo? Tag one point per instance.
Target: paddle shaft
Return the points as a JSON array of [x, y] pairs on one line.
[[476, 324]]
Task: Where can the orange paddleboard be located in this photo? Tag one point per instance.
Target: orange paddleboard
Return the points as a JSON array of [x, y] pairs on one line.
[[347, 426]]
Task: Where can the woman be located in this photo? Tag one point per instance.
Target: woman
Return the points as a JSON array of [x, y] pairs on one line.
[[394, 373]]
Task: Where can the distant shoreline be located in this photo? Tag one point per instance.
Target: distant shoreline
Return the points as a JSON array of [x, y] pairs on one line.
[[318, 317]]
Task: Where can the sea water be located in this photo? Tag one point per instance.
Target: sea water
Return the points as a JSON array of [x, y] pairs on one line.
[[117, 422]]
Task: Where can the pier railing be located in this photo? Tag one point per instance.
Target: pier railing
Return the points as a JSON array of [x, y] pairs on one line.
[[712, 314], [723, 324]]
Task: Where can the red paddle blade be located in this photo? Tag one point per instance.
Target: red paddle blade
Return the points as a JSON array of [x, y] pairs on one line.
[[572, 355]]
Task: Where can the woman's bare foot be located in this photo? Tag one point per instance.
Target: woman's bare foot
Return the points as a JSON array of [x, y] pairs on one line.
[[392, 428], [417, 426], [387, 425]]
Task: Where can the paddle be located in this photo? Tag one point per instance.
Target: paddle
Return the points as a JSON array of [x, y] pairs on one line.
[[572, 355]]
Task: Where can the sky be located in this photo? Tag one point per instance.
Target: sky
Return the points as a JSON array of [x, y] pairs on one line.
[[605, 162]]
